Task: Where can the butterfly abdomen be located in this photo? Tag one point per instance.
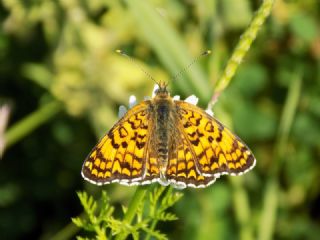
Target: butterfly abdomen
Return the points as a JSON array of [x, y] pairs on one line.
[[162, 121]]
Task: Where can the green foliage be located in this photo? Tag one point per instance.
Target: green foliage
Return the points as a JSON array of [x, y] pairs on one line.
[[159, 206], [100, 221], [63, 83]]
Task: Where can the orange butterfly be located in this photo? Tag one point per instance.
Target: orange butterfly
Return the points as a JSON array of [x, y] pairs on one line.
[[167, 141]]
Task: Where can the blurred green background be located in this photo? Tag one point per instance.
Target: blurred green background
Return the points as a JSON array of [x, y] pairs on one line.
[[63, 83]]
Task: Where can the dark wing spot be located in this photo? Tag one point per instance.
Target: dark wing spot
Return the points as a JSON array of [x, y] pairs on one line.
[[140, 144], [141, 136], [124, 144], [144, 126], [199, 133], [218, 139], [192, 134], [131, 124], [209, 127], [114, 144], [123, 132], [195, 142], [187, 124], [134, 136], [214, 159], [220, 133]]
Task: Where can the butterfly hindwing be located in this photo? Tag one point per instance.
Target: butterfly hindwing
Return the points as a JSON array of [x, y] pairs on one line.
[[181, 169]]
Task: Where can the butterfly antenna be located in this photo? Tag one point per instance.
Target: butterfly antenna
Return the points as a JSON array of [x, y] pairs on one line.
[[206, 53], [137, 65]]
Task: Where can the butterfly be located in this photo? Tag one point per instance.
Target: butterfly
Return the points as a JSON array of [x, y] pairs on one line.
[[167, 141]]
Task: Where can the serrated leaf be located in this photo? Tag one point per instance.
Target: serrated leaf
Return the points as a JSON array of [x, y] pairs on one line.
[[124, 209], [155, 195], [115, 225], [100, 214], [166, 217], [78, 222], [170, 199], [156, 234], [88, 203]]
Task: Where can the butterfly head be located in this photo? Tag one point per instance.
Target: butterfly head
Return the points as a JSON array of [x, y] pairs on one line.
[[162, 91]]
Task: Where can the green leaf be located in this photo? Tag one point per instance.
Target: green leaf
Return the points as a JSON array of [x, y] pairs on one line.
[[304, 27]]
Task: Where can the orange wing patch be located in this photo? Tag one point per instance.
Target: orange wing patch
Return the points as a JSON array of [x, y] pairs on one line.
[[217, 150], [182, 169], [120, 155]]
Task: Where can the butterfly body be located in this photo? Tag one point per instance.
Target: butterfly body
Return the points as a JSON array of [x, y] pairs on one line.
[[168, 141]]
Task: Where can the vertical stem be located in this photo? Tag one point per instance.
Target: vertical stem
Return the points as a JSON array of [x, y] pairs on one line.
[[134, 203], [270, 205], [242, 209], [132, 208], [242, 48]]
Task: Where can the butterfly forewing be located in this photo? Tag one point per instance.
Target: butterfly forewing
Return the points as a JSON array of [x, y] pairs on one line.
[[217, 150], [120, 155]]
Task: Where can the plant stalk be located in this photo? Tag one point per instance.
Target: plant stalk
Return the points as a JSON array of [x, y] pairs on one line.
[[137, 198]]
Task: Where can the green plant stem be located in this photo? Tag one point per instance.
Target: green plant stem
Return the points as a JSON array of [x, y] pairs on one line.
[[240, 196], [39, 74], [134, 203], [242, 209], [242, 48], [270, 205], [66, 233], [152, 227], [31, 122], [132, 208], [288, 114]]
